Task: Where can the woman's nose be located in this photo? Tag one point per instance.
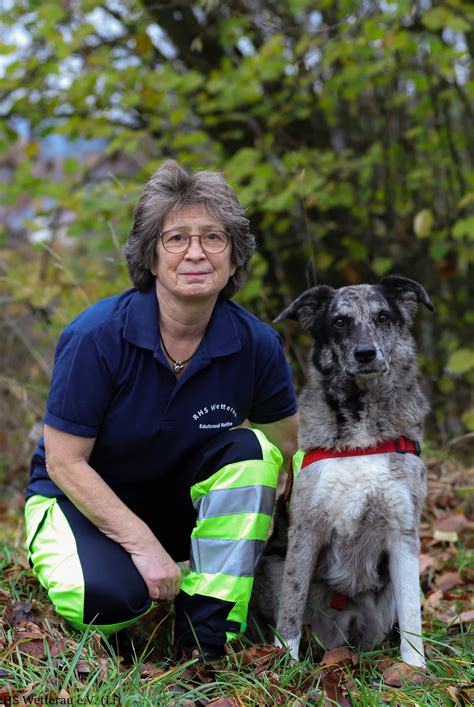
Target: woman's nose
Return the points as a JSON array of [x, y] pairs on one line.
[[194, 248]]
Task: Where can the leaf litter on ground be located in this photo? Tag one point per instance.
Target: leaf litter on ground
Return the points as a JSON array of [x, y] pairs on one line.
[[32, 634]]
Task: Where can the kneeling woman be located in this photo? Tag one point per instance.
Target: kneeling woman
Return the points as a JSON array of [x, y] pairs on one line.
[[141, 466]]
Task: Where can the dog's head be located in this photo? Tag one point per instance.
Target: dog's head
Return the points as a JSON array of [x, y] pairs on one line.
[[356, 328]]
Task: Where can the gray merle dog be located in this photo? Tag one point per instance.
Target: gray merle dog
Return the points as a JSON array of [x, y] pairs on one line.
[[347, 560]]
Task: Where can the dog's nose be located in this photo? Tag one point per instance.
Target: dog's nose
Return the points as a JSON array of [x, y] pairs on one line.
[[364, 354]]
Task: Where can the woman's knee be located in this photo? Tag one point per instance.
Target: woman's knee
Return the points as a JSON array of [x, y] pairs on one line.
[[96, 600], [240, 445], [89, 578]]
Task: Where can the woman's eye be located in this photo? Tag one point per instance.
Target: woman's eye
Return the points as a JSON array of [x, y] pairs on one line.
[[339, 322], [176, 237]]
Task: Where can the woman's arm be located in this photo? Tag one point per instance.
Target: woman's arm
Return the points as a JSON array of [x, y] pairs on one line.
[[283, 434], [67, 463]]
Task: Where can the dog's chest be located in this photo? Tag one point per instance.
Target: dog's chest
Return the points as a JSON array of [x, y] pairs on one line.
[[351, 490]]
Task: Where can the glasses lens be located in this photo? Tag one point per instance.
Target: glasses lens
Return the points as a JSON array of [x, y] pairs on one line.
[[214, 241], [178, 242], [175, 241]]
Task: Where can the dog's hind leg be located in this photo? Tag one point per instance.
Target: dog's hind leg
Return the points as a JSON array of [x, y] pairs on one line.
[[405, 575], [303, 549]]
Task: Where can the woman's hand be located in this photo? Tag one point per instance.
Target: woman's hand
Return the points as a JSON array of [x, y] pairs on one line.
[[160, 573]]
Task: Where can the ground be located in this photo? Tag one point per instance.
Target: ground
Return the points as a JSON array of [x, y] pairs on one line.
[[42, 661]]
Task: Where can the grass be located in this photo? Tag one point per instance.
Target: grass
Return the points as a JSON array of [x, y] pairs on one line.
[[109, 681], [42, 661]]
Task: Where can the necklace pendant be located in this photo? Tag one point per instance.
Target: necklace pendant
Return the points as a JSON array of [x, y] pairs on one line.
[[178, 366]]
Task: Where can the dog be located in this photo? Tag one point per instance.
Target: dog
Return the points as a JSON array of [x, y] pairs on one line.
[[346, 561]]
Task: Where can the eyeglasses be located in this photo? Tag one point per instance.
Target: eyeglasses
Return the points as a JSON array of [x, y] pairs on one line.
[[178, 241]]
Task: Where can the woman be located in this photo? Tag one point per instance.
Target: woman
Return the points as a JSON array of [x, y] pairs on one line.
[[148, 457]]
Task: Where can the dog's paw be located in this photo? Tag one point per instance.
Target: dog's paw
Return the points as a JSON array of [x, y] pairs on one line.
[[291, 644], [413, 657]]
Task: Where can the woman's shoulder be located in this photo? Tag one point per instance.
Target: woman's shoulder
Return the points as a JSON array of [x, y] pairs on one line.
[[251, 324], [109, 312]]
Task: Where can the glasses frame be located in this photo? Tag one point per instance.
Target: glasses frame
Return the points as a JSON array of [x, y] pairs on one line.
[[183, 233]]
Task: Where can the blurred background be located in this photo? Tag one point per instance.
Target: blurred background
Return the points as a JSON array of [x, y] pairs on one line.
[[345, 127]]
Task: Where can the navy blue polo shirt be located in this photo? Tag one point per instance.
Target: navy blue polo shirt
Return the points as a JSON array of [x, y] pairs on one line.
[[111, 381]]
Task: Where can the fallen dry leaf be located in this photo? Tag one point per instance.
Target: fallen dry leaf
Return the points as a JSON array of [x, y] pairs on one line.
[[13, 571], [401, 673], [29, 627], [467, 693], [383, 663], [99, 647], [198, 672], [7, 695], [460, 694], [445, 536], [104, 668], [433, 599], [453, 693], [175, 690], [468, 574], [259, 656], [269, 676], [34, 645], [314, 697], [332, 681], [426, 561], [6, 608], [464, 617], [22, 610], [28, 690], [339, 656], [452, 522], [255, 654], [149, 671], [223, 702], [447, 580], [82, 667], [446, 614]]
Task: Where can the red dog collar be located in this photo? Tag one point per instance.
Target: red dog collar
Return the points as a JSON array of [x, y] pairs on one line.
[[402, 445]]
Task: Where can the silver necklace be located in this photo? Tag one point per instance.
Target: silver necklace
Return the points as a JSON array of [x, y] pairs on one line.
[[179, 364]]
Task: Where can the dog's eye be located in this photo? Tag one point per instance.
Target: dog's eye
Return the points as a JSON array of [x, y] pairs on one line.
[[383, 318], [340, 322]]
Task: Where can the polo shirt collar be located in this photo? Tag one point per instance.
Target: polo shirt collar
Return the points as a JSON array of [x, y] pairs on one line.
[[142, 325], [221, 337]]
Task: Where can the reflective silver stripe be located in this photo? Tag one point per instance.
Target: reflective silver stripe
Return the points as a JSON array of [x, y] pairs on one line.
[[226, 502], [236, 557]]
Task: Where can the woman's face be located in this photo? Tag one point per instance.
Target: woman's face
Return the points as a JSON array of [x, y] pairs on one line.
[[193, 273]]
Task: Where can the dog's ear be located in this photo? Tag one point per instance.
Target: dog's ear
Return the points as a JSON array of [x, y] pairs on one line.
[[408, 293], [304, 308]]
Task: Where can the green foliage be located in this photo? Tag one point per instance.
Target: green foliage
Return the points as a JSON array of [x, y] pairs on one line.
[[347, 132], [461, 361]]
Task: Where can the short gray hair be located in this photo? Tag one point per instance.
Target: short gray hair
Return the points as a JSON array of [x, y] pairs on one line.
[[170, 189]]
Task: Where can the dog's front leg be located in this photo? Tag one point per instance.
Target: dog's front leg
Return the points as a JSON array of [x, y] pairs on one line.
[[299, 565], [405, 574]]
